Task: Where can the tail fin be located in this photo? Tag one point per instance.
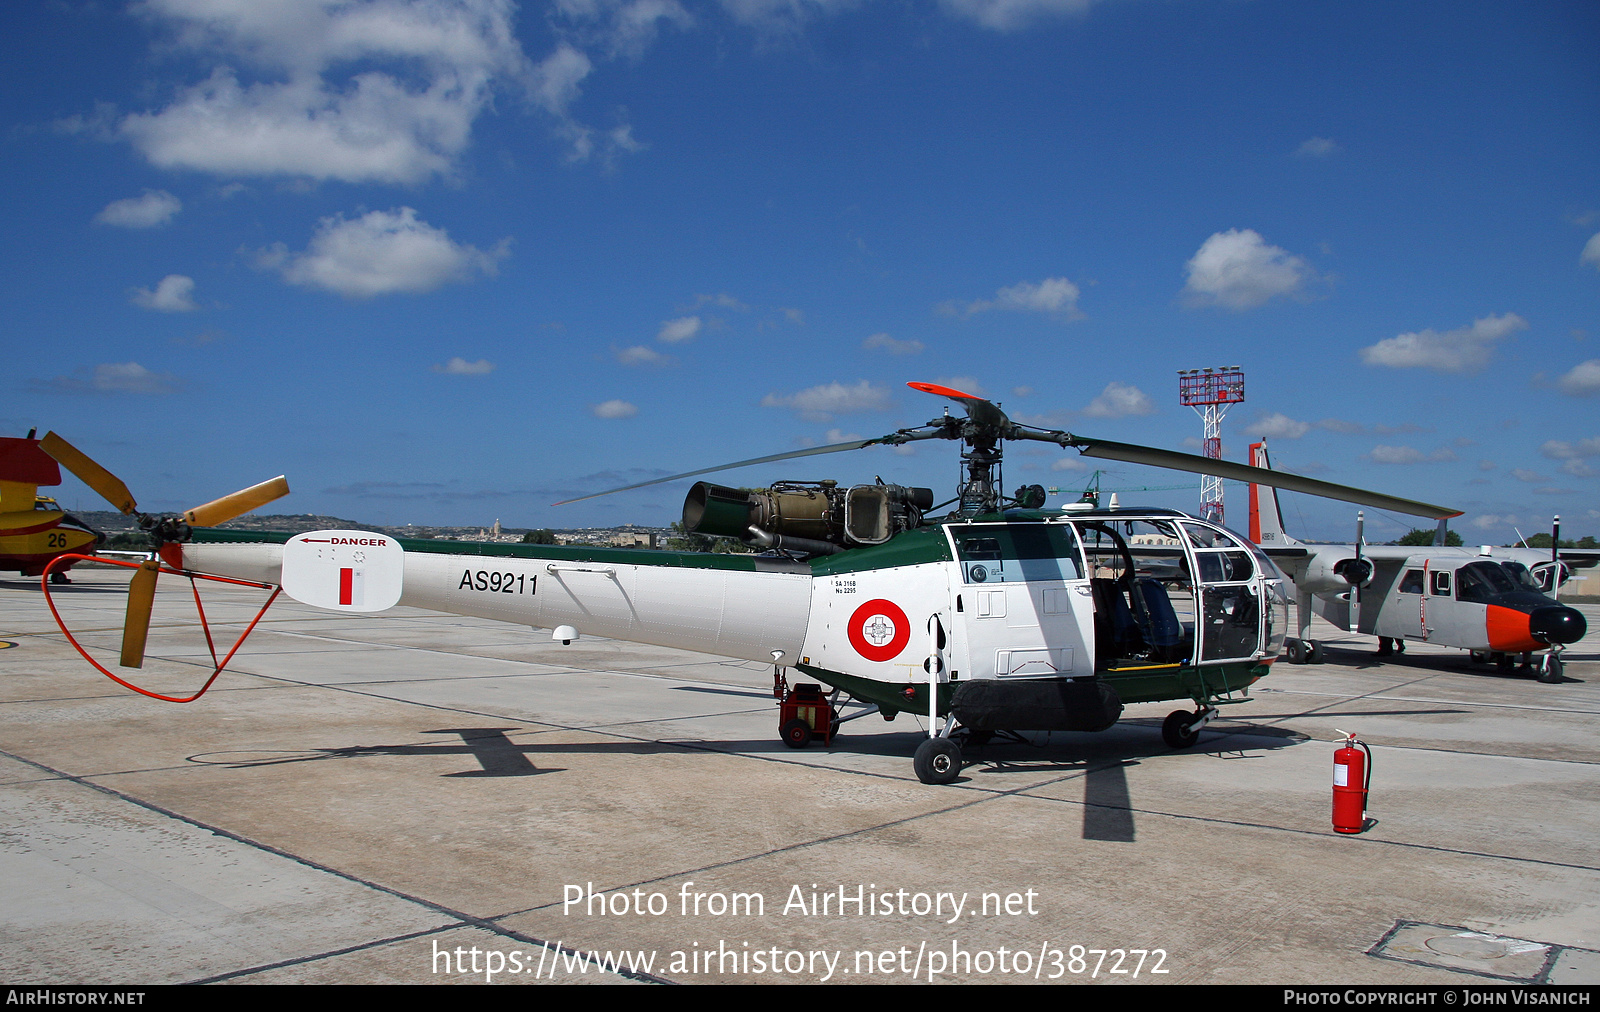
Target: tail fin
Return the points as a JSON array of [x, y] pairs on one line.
[[1266, 519]]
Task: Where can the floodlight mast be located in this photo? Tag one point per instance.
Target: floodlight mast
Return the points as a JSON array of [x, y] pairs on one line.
[[1213, 390]]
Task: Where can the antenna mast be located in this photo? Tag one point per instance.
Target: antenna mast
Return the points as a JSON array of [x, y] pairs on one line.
[[1214, 390]]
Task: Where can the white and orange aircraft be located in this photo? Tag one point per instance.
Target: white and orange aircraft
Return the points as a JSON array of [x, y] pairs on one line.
[[1489, 601]]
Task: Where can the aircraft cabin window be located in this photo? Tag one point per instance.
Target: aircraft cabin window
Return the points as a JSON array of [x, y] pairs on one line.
[[1205, 537], [1441, 584], [1012, 552], [1412, 584], [1224, 567]]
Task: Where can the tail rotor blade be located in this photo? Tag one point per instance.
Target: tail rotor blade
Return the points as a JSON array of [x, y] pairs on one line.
[[91, 474], [241, 502], [141, 601]]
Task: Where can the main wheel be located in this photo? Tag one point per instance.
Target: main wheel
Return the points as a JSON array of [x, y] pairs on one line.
[[1505, 662], [1550, 670], [796, 733], [1314, 653], [1178, 729], [938, 761], [1294, 651]]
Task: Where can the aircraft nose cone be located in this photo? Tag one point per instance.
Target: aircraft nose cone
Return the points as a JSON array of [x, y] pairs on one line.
[[1557, 624]]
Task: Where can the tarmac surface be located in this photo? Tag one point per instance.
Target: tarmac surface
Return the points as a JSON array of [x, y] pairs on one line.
[[416, 797]]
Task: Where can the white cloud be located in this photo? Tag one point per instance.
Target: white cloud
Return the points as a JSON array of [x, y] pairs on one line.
[[679, 330], [461, 367], [1409, 455], [1069, 464], [132, 378], [1583, 380], [155, 207], [1397, 455], [821, 403], [1119, 400], [112, 378], [614, 409], [1489, 520], [1278, 426], [721, 301], [173, 294], [1465, 349], [1523, 474], [1056, 297], [1237, 269], [1010, 15], [1573, 456], [1316, 147], [641, 355], [1591, 251], [774, 16], [381, 91], [623, 27], [380, 253], [883, 342]]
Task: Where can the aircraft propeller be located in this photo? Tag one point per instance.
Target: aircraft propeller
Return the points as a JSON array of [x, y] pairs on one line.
[[986, 425], [164, 528]]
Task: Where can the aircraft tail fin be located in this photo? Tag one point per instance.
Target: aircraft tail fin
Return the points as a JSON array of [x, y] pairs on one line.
[[1266, 519]]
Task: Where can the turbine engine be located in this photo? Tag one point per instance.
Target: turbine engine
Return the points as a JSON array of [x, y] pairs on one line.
[[814, 517]]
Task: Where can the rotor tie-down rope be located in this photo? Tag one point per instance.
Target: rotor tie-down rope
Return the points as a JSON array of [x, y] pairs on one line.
[[199, 608]]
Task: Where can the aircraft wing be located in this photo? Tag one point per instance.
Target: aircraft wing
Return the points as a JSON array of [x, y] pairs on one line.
[[1292, 559], [1580, 558]]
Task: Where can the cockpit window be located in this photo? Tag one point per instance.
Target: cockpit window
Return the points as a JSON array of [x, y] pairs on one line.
[[1521, 577], [1482, 582]]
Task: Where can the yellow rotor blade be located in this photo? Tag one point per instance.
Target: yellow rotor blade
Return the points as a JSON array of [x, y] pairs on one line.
[[90, 473], [241, 502], [141, 600]]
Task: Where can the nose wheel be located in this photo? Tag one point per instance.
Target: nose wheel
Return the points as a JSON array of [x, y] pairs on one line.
[[1182, 728], [1551, 668]]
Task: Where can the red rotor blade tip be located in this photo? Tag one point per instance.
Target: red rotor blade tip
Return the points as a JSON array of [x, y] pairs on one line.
[[939, 391]]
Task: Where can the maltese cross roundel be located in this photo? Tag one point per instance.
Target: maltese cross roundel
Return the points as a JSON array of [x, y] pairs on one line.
[[879, 630]]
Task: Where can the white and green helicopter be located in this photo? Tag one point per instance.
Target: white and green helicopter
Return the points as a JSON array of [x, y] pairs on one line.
[[998, 616]]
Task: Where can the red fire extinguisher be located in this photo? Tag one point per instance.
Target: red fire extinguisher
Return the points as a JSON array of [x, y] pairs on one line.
[[1352, 778]]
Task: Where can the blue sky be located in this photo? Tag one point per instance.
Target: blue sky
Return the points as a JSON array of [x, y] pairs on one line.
[[447, 262]]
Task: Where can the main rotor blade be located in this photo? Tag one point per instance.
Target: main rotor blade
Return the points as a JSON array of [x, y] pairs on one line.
[[813, 451], [979, 410], [141, 601], [220, 511], [91, 474], [1135, 454]]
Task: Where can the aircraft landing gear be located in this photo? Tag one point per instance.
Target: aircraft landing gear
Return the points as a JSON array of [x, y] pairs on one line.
[[1297, 651], [59, 577], [1505, 662], [1182, 729], [1550, 671], [938, 761]]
